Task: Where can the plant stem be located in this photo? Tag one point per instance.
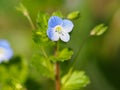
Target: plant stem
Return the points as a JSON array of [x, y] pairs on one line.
[[57, 68], [30, 20], [42, 48], [57, 76], [26, 14], [47, 58], [76, 56]]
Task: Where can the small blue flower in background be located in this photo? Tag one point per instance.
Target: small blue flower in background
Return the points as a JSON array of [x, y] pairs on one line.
[[59, 29], [5, 51]]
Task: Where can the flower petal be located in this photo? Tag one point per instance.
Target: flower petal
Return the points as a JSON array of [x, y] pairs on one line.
[[53, 21], [64, 36], [6, 54], [4, 43], [6, 51], [52, 34], [67, 25]]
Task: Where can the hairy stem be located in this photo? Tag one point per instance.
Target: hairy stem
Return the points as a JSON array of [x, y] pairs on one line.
[[57, 76], [30, 21], [26, 14], [57, 69]]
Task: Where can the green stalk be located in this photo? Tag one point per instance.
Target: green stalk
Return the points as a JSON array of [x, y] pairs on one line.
[[30, 21], [47, 58], [26, 14], [76, 56]]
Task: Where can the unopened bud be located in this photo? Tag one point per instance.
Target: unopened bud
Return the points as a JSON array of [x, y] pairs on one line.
[[74, 15], [98, 30]]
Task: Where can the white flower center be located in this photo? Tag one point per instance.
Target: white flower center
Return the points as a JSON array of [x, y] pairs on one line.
[[2, 52], [58, 29]]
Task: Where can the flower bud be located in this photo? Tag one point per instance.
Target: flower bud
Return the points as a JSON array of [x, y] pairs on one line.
[[98, 30], [74, 15]]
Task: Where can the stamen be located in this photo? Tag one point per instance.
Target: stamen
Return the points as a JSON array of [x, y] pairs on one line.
[[58, 29]]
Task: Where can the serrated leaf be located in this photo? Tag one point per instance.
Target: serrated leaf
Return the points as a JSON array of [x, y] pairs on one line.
[[57, 13], [74, 80], [63, 55], [98, 30], [74, 15], [42, 21], [39, 37], [43, 66]]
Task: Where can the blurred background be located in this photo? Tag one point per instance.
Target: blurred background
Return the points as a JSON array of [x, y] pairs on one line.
[[99, 56]]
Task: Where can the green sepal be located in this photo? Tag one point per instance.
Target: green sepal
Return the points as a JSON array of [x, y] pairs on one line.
[[98, 30], [74, 80]]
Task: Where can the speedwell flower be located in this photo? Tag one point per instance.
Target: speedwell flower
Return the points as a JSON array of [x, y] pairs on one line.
[[5, 51], [59, 29]]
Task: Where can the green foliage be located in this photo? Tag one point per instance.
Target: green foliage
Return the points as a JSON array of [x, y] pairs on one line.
[[43, 66], [74, 80], [44, 62], [63, 55], [57, 13], [39, 35], [13, 73], [74, 15], [42, 21], [98, 30]]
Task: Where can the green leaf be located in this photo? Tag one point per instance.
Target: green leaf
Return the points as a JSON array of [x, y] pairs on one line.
[[42, 21], [98, 30], [57, 13], [39, 37], [74, 15], [74, 80], [63, 55], [43, 66], [13, 72]]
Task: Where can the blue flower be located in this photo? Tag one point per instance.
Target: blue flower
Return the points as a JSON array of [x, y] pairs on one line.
[[5, 51], [59, 29]]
